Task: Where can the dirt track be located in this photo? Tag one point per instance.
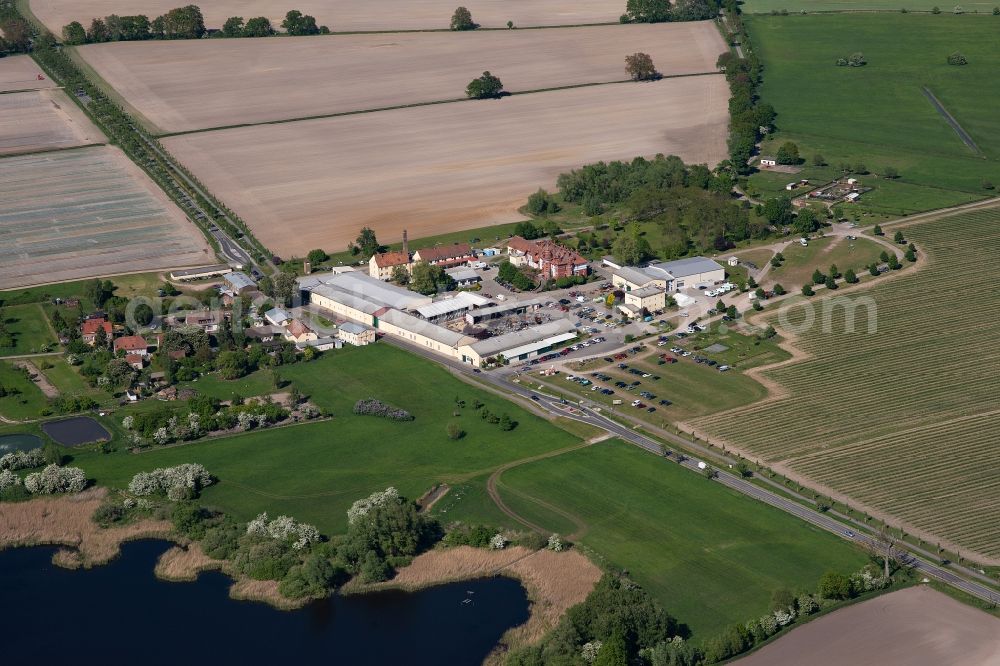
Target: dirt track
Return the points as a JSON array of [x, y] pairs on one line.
[[348, 15], [917, 626], [444, 167], [43, 120], [196, 84]]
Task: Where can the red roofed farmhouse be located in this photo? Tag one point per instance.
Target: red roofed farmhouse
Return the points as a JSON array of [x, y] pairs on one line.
[[88, 331]]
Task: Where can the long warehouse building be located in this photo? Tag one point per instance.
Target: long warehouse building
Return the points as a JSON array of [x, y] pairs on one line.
[[405, 315]]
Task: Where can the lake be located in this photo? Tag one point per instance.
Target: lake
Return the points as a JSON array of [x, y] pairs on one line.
[[121, 614], [76, 431], [9, 443]]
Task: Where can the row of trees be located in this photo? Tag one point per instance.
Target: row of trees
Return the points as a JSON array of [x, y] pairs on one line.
[[183, 23]]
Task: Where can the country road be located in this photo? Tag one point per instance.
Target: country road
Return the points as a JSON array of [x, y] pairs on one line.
[[918, 559]]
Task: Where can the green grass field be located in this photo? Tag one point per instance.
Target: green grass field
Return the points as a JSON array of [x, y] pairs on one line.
[[821, 253], [901, 418], [30, 328], [27, 403], [67, 380], [315, 471], [711, 556], [767, 6], [832, 110]]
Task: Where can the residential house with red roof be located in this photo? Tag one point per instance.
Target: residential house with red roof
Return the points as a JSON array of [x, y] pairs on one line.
[[90, 326], [132, 344], [547, 257]]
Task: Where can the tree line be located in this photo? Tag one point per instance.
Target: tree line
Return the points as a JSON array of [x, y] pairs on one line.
[[183, 23]]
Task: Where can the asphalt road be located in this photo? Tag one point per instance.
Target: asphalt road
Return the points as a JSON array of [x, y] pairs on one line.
[[556, 406]]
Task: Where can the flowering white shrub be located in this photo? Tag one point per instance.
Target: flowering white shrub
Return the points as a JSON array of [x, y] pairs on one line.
[[784, 617], [362, 507], [161, 436], [103, 381], [162, 480], [245, 420], [8, 480], [867, 580], [498, 542], [56, 479], [261, 420], [128, 503], [136, 439], [555, 543], [22, 459], [284, 528], [769, 624], [128, 422], [807, 605], [194, 424], [589, 651], [73, 359]]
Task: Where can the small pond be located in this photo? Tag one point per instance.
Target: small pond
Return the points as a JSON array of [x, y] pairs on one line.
[[121, 614], [10, 443], [76, 431]]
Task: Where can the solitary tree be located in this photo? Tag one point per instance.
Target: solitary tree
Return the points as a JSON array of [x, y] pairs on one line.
[[890, 173], [485, 87], [317, 256], [778, 290], [818, 160], [788, 153], [462, 20], [367, 243], [639, 67]]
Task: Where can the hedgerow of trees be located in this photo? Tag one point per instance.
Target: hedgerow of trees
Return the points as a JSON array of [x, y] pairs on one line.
[[183, 23], [660, 11]]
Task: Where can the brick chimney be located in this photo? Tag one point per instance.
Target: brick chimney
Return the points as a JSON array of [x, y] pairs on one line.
[[406, 245]]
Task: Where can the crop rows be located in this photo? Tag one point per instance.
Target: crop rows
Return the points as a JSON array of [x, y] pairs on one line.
[[903, 418]]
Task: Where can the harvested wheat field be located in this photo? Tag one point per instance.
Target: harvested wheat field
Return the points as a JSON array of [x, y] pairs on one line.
[[65, 520], [179, 86], [918, 626], [348, 15], [21, 73], [444, 167], [43, 120], [90, 212]]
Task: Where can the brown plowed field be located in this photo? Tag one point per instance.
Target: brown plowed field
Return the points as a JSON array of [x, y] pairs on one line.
[[186, 85], [74, 214], [21, 73], [348, 15], [918, 626], [43, 120], [444, 167]]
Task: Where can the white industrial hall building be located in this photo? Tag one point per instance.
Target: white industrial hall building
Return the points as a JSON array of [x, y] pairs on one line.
[[398, 312]]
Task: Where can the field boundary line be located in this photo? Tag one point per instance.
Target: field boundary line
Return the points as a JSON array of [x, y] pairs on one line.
[[416, 105], [952, 121], [45, 151]]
